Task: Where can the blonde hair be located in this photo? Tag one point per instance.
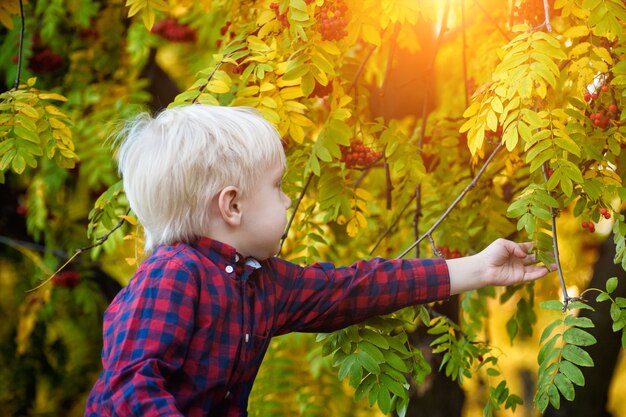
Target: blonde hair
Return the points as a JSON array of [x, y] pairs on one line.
[[174, 164]]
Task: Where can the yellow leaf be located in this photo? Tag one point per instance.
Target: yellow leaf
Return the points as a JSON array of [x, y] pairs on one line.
[[371, 34], [28, 111], [576, 32], [218, 87], [496, 105], [362, 221], [296, 133], [492, 121], [56, 123], [472, 109], [54, 111], [363, 194], [353, 227], [148, 19], [52, 96], [329, 47], [256, 44], [135, 6], [265, 87], [300, 120], [251, 90], [269, 102], [467, 125], [291, 93]]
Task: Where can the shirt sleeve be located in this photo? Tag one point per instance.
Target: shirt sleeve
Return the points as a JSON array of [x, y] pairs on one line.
[[146, 335], [323, 298]]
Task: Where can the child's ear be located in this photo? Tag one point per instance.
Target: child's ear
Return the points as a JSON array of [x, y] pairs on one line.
[[229, 203]]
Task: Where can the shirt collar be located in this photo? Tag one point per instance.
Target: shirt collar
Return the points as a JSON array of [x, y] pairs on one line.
[[223, 253]]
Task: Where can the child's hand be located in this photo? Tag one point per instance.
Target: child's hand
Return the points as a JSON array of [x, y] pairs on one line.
[[507, 263], [501, 263]]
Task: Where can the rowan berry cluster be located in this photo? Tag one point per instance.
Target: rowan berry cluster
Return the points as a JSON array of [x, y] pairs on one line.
[[600, 115], [605, 213], [532, 11], [281, 17], [67, 279], [358, 155], [45, 60], [589, 226], [173, 31], [332, 20], [446, 253]]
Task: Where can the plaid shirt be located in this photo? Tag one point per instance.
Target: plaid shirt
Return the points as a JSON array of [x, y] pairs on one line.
[[189, 332]]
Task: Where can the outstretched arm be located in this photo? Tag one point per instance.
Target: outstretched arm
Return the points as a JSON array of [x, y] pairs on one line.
[[501, 263]]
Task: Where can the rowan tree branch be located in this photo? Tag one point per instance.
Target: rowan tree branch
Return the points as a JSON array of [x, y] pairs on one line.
[[78, 251], [295, 209], [20, 48], [493, 22], [471, 185], [555, 243], [546, 11]]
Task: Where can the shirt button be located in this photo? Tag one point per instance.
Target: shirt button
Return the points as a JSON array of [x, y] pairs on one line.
[[236, 258], [227, 395], [229, 269]]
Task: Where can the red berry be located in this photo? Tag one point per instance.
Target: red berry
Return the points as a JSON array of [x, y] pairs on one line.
[[613, 108], [604, 88], [68, 279], [603, 211], [587, 96], [594, 96]]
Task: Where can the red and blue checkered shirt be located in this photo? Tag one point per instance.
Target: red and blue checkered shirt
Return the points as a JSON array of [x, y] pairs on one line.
[[189, 332]]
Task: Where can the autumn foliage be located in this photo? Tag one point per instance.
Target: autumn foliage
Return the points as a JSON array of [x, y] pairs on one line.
[[389, 110]]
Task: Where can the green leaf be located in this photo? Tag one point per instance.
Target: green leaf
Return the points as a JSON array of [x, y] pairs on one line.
[[547, 351], [565, 386], [367, 362], [384, 399], [576, 355], [572, 372], [374, 338], [395, 361], [578, 321], [615, 311], [393, 386], [578, 337], [611, 284], [365, 386], [552, 305], [548, 330], [553, 395], [372, 351]]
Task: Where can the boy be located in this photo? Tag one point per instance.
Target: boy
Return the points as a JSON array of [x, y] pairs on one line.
[[188, 333]]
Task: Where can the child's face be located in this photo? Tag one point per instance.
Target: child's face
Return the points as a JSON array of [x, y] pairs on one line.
[[265, 215]]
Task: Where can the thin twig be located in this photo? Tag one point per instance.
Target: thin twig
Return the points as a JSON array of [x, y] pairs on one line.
[[555, 244], [390, 228], [19, 51], [295, 209], [99, 242], [491, 19], [463, 24], [360, 69], [203, 86], [546, 10], [455, 202]]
